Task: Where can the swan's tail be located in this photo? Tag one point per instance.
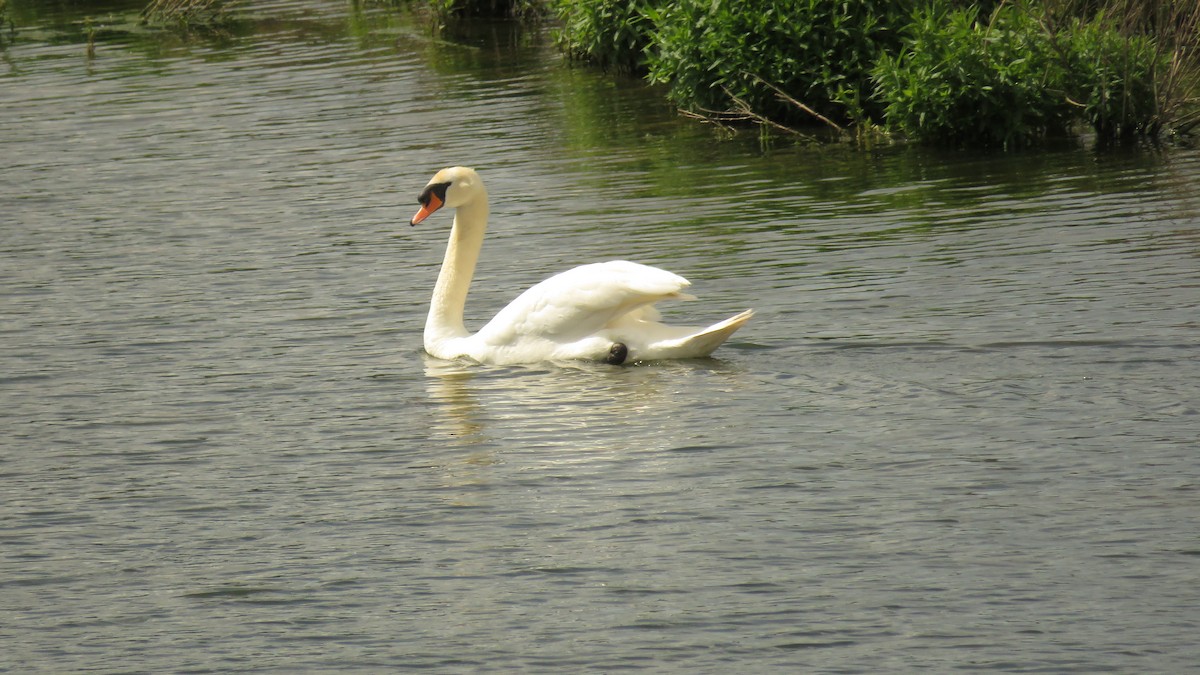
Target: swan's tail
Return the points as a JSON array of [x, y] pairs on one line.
[[696, 343]]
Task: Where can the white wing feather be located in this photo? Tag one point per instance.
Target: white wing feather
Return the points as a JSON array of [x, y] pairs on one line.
[[584, 301]]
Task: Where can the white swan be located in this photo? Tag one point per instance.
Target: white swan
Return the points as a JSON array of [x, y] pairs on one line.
[[598, 312]]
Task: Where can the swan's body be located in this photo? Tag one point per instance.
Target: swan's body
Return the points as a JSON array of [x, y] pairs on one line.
[[598, 312]]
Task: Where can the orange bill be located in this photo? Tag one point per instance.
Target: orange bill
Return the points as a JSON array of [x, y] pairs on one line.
[[427, 208]]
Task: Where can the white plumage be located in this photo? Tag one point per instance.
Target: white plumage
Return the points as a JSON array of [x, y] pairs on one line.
[[597, 312]]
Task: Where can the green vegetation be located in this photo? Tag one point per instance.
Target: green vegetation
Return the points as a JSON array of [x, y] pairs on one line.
[[1018, 75], [817, 53], [937, 71], [963, 80], [1115, 78], [1139, 59], [611, 34], [1001, 73]]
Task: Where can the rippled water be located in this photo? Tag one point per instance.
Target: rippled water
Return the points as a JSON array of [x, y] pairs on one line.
[[959, 434]]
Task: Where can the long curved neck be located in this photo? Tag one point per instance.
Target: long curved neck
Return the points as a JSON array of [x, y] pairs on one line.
[[462, 253]]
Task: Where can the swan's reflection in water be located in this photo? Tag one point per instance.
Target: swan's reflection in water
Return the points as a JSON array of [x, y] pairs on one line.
[[577, 410]]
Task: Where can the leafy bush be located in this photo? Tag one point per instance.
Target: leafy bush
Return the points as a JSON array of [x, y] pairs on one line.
[[817, 52], [1133, 63], [967, 72], [972, 80], [1115, 78], [610, 33]]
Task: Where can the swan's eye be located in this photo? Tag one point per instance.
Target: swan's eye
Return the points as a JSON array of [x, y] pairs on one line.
[[436, 190]]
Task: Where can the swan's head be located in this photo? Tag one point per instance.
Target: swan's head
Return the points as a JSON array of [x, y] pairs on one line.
[[452, 187]]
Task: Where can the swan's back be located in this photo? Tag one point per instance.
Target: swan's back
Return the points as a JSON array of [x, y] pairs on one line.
[[583, 301]]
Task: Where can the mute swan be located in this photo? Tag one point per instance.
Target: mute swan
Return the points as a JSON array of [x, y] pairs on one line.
[[598, 312]]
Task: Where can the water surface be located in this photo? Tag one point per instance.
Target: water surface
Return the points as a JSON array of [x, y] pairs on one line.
[[959, 434]]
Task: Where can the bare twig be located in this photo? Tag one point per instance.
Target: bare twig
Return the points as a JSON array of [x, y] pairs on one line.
[[745, 112], [714, 118], [783, 96]]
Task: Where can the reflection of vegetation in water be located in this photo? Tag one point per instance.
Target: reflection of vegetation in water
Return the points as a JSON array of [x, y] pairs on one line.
[[96, 23], [186, 12], [451, 10], [453, 13], [7, 27]]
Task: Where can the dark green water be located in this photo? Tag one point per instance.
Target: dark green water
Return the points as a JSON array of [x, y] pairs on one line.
[[959, 434]]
